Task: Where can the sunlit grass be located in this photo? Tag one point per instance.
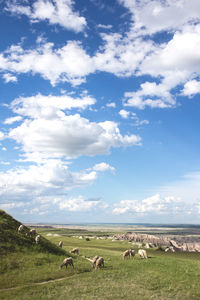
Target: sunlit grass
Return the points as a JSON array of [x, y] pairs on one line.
[[33, 270], [162, 276]]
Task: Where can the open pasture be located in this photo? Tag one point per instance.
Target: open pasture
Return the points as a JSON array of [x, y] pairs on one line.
[[161, 276]]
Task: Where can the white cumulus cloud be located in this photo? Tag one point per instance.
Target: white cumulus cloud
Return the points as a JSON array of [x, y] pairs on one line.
[[47, 130], [55, 12], [67, 64], [52, 178], [81, 204], [103, 167], [155, 204], [191, 88]]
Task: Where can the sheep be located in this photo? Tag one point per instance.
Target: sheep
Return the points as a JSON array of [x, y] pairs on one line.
[[99, 263], [126, 254], [37, 239], [32, 232], [60, 244], [142, 253], [132, 252], [21, 228], [67, 261], [75, 250], [94, 261]]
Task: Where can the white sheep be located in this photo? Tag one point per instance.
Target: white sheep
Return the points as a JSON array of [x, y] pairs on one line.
[[132, 252], [75, 250], [99, 263], [142, 253], [37, 239], [32, 231], [126, 254], [60, 244], [67, 261], [94, 261], [21, 228]]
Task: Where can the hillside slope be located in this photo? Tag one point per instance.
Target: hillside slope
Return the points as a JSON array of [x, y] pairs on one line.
[[12, 241]]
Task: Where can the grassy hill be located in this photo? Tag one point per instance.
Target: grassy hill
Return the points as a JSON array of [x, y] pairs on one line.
[[12, 241], [22, 261], [35, 274]]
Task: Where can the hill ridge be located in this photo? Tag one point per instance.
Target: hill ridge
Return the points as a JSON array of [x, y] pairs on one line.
[[12, 241]]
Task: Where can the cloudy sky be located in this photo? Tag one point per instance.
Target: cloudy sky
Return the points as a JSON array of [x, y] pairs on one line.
[[100, 106]]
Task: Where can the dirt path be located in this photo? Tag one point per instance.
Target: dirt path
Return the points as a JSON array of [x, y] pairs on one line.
[[42, 282], [35, 283]]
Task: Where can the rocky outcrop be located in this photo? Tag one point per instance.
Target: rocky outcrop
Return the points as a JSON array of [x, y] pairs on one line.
[[151, 241]]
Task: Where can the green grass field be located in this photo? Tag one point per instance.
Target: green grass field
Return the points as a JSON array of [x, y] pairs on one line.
[[30, 272]]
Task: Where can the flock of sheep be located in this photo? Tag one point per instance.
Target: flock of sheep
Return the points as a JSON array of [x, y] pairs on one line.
[[131, 253], [32, 232], [97, 261]]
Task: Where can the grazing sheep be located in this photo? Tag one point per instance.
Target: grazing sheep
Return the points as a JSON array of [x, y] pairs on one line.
[[132, 252], [67, 261], [21, 229], [126, 254], [37, 239], [99, 263], [32, 232], [142, 253], [60, 244], [75, 250], [87, 239], [94, 261]]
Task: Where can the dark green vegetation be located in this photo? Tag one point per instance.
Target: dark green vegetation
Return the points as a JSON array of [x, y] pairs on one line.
[[161, 276], [12, 241]]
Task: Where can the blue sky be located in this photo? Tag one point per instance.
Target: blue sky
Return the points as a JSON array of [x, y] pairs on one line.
[[100, 110]]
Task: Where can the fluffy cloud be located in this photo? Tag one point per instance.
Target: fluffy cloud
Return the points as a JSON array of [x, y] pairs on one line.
[[71, 63], [137, 52], [11, 205], [69, 136], [9, 78], [55, 12], [124, 113], [184, 200], [47, 131], [48, 107], [12, 120], [67, 64], [52, 178], [103, 26], [103, 167], [131, 115], [150, 95], [191, 88], [1, 135], [121, 55], [80, 204], [174, 64], [154, 204], [150, 17], [111, 104], [176, 60]]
